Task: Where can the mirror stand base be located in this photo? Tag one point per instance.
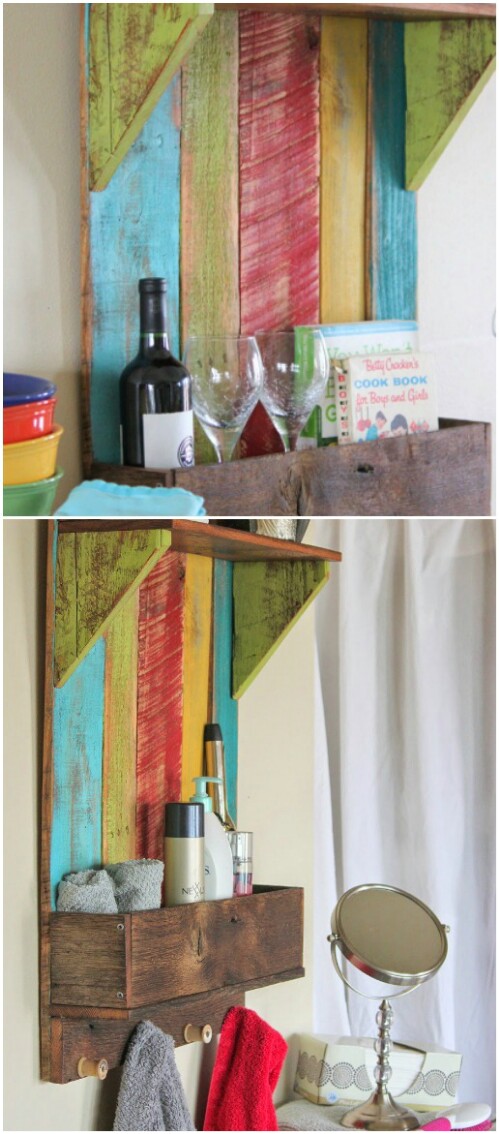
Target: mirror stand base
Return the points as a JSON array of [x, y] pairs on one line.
[[380, 1112]]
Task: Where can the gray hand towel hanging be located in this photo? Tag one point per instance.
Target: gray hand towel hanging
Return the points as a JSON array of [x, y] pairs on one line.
[[151, 1095]]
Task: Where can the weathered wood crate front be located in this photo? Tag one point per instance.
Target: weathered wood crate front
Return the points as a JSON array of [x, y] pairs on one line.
[[267, 172], [447, 473], [136, 959]]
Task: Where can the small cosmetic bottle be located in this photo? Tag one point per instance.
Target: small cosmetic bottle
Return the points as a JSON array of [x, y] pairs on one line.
[[184, 853], [241, 844]]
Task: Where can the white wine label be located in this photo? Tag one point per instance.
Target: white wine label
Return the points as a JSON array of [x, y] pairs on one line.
[[168, 440]]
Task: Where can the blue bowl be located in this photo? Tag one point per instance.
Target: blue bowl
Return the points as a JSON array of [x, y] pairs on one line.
[[19, 389]]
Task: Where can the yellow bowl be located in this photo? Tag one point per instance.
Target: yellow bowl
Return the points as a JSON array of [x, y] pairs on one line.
[[29, 461]]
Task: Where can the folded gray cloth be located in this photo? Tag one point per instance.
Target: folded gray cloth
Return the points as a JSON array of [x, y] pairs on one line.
[[119, 888], [151, 1095], [88, 891], [137, 884]]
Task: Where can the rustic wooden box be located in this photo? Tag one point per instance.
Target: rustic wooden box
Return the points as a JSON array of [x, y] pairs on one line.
[[129, 961], [444, 473]]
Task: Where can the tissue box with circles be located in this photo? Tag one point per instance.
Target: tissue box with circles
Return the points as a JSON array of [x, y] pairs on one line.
[[337, 1068]]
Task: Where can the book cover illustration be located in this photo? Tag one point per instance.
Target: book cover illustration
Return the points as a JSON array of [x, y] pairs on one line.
[[382, 336], [381, 396]]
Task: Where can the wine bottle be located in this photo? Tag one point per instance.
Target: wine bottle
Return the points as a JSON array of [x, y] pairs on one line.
[[157, 427]]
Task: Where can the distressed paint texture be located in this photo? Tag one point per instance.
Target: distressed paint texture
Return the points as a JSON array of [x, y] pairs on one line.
[[224, 711], [210, 190], [198, 610], [95, 571], [134, 233], [392, 235], [447, 66], [76, 837], [269, 598], [120, 734], [343, 134], [279, 183], [134, 52], [160, 699]]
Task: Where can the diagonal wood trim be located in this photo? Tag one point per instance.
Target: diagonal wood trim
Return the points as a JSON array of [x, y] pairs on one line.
[[144, 44]]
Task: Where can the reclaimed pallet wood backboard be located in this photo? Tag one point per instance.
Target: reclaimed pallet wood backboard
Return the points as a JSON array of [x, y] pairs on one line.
[[264, 162], [148, 638]]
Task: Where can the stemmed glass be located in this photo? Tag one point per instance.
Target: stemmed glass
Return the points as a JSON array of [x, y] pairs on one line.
[[295, 372], [227, 374]]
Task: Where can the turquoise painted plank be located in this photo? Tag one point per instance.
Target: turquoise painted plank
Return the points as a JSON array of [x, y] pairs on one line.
[[78, 740], [224, 705], [134, 232], [393, 243]]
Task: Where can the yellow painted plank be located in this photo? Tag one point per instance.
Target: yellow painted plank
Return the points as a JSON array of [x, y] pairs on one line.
[[120, 734], [197, 647], [343, 127]]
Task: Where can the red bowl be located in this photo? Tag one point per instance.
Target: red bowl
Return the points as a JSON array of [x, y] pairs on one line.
[[26, 422]]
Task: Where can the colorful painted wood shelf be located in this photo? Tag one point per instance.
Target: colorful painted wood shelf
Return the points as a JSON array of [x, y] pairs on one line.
[[153, 629], [207, 197]]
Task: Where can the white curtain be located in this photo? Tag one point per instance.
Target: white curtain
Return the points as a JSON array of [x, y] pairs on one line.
[[405, 765]]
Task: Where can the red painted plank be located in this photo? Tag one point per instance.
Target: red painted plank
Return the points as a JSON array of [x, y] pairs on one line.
[[279, 147], [159, 707]]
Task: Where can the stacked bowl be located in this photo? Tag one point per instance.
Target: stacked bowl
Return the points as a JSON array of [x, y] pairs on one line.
[[30, 446]]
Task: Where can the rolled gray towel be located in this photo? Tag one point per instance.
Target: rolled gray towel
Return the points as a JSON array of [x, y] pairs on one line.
[[137, 884], [151, 1095], [88, 891]]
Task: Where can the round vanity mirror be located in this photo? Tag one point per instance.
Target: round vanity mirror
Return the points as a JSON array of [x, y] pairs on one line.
[[389, 935], [392, 937]]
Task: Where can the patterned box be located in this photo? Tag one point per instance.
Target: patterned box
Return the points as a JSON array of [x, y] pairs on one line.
[[340, 1068]]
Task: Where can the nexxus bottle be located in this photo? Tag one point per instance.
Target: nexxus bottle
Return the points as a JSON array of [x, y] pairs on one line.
[[184, 853], [157, 428]]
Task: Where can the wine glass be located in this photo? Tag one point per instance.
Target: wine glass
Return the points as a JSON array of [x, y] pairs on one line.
[[227, 375], [295, 372]]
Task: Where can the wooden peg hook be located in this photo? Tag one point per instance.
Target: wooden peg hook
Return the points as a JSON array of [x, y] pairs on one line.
[[96, 1067], [194, 1033]]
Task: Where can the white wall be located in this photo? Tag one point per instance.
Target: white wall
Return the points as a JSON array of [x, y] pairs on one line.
[[275, 800], [457, 267], [41, 250]]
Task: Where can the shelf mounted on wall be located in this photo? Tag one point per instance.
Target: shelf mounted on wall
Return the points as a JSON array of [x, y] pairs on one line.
[[153, 629]]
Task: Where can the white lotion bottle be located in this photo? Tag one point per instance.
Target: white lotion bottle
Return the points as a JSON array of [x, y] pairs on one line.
[[218, 864]]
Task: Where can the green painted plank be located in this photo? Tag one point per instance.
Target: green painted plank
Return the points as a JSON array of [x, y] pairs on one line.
[[269, 598], [96, 571], [447, 65], [210, 190], [135, 50]]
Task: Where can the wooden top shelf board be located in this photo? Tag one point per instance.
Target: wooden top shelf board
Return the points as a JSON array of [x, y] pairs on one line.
[[210, 540], [378, 11]]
